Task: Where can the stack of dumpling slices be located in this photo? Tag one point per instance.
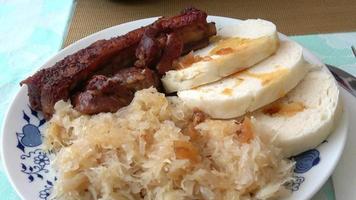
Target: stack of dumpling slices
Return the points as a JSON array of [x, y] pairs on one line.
[[247, 69]]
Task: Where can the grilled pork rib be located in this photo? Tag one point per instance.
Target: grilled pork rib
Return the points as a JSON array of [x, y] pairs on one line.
[[106, 57]]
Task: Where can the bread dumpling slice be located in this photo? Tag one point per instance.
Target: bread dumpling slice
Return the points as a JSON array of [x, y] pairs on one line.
[[234, 49], [304, 118], [253, 88]]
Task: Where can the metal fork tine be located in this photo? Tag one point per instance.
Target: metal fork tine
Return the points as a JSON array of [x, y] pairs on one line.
[[346, 80]]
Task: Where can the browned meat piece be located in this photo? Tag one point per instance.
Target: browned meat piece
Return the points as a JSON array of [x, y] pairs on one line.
[[137, 78], [105, 94], [172, 51], [50, 85], [195, 45], [150, 48], [196, 34], [157, 50], [167, 48], [103, 99], [122, 60], [34, 84]]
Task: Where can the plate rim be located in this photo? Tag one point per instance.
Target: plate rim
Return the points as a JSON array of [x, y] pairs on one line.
[[84, 42]]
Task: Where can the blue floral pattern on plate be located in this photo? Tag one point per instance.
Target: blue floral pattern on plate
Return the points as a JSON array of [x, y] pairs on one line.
[[40, 161], [46, 192], [306, 160], [31, 135], [36, 162], [295, 183], [303, 163]]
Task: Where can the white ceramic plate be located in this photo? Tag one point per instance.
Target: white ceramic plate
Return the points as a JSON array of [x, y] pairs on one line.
[[28, 167]]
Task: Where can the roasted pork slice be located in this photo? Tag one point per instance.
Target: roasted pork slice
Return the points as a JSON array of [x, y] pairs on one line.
[[103, 94], [49, 85], [158, 50], [172, 51]]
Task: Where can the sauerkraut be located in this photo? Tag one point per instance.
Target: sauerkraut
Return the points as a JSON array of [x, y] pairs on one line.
[[151, 149]]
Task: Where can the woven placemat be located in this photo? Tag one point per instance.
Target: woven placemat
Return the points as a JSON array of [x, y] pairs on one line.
[[291, 17]]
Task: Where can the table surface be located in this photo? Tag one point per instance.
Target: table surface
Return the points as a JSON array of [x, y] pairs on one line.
[[34, 35], [291, 17]]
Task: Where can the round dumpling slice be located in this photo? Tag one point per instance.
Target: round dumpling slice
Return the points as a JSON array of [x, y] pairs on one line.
[[304, 117]]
